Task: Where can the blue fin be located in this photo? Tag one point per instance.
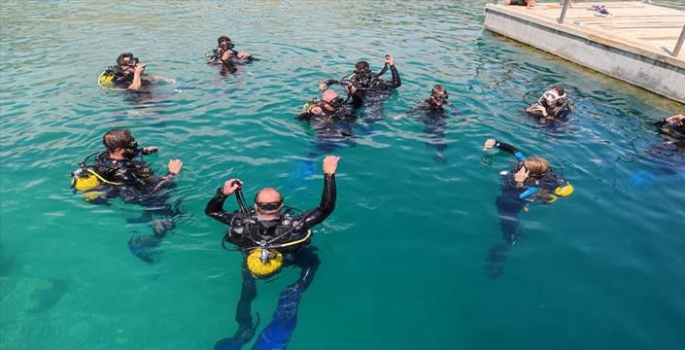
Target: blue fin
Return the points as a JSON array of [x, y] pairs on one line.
[[276, 335], [642, 179]]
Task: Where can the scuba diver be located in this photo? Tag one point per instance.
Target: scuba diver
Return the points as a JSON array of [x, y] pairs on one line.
[[673, 128], [271, 235], [332, 119], [363, 83], [227, 57], [666, 158], [432, 114], [117, 172], [530, 180], [552, 105], [327, 115], [129, 74]]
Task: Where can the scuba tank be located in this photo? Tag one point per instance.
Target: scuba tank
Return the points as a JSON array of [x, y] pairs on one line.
[[265, 259], [87, 181], [106, 78], [310, 104]]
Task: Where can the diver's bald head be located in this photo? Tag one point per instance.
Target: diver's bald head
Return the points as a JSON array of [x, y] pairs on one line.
[[329, 95], [268, 195]]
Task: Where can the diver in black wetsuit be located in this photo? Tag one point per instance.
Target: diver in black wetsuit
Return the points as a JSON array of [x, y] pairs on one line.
[[432, 113], [133, 180], [673, 128], [227, 57], [129, 73], [552, 105], [271, 236], [531, 180], [364, 84], [331, 117], [666, 158]]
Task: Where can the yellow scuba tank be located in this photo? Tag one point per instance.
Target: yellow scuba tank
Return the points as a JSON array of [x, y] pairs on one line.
[[310, 104], [84, 179], [88, 182], [106, 79], [263, 262], [564, 191], [209, 56]]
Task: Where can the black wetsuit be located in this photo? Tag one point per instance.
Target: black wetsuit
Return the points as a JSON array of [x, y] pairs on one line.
[[120, 80], [137, 179], [370, 87], [136, 183], [332, 127], [243, 232], [123, 81], [559, 111], [216, 56], [435, 123], [512, 200], [676, 132], [228, 66]]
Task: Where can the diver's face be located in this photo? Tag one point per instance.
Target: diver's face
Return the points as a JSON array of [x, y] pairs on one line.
[[332, 103], [363, 75], [438, 98], [226, 45], [551, 97], [130, 149], [268, 208], [128, 65]]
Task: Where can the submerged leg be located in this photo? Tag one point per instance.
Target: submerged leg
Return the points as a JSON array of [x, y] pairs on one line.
[[276, 335], [436, 140], [243, 315], [508, 207], [146, 247]]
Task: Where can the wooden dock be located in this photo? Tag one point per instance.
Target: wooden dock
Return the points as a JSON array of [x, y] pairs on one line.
[[635, 44]]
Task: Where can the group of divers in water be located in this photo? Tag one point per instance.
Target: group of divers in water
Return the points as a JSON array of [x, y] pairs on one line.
[[273, 235]]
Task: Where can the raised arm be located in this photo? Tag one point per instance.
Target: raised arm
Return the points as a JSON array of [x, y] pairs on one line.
[[137, 80], [215, 206], [490, 143], [328, 196], [674, 119], [396, 81]]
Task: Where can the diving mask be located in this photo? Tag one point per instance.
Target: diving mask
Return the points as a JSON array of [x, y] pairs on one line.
[[335, 103], [227, 45], [269, 207], [439, 98], [552, 96], [131, 145], [363, 75]]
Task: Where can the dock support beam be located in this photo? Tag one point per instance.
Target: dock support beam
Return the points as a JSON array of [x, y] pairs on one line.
[[563, 11], [679, 44]]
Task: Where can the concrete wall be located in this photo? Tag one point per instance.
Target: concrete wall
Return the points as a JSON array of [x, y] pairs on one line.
[[648, 73]]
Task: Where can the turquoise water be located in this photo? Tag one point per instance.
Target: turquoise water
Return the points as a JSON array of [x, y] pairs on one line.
[[403, 255]]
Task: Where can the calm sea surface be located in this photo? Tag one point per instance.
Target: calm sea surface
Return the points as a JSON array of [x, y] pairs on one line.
[[403, 255]]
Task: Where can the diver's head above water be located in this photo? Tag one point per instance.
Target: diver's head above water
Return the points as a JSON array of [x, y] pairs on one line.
[[268, 203], [554, 96], [439, 96], [362, 72], [127, 62], [537, 167], [120, 144], [225, 43], [331, 101]]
